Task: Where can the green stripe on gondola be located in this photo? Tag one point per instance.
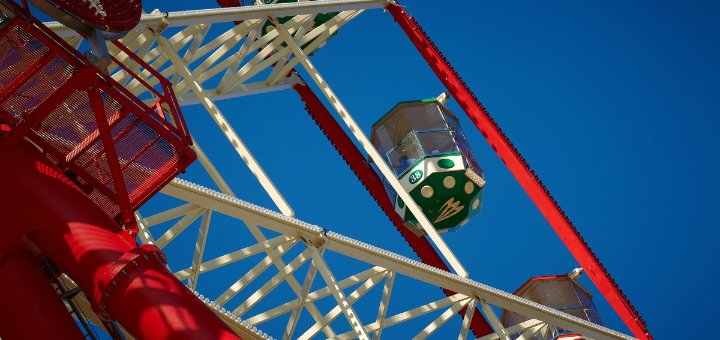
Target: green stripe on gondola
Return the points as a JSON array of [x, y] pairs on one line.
[[419, 162]]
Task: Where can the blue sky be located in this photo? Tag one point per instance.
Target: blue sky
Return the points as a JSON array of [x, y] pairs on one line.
[[614, 104]]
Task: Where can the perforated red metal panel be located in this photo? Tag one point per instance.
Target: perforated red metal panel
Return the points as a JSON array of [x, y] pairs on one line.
[[116, 147]]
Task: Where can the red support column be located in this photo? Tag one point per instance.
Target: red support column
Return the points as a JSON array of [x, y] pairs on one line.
[[29, 306], [125, 282], [111, 157], [372, 182], [522, 172]]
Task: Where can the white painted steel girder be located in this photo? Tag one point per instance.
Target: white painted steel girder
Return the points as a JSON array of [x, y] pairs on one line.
[[218, 15], [384, 263]]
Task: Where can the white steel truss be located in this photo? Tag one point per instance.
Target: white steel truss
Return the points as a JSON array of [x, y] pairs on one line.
[[298, 243], [255, 53], [247, 58]]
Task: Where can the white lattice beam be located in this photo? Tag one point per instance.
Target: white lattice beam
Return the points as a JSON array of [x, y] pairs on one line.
[[178, 227], [383, 260], [314, 296], [226, 128], [337, 310]]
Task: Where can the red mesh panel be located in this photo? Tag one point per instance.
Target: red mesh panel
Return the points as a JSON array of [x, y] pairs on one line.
[[50, 95], [107, 204], [18, 50], [39, 87], [70, 124], [144, 156]]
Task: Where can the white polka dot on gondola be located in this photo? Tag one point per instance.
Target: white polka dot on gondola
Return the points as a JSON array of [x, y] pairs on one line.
[[469, 187], [427, 191], [449, 182]]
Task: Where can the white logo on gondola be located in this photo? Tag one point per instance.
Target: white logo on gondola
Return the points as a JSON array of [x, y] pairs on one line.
[[449, 209], [98, 7]]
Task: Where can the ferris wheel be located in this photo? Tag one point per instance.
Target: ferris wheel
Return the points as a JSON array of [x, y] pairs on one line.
[[274, 275]]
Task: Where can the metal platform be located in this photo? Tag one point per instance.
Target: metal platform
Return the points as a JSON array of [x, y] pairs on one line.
[[117, 148]]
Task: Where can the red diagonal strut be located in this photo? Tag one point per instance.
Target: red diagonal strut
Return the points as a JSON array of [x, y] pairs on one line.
[[522, 172], [369, 178]]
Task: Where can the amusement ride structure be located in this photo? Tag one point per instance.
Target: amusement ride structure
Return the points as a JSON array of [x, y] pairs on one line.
[[87, 138]]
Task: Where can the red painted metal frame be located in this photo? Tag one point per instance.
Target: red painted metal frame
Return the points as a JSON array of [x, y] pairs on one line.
[[46, 213], [372, 182], [111, 155], [522, 172], [167, 94], [162, 117], [29, 299]]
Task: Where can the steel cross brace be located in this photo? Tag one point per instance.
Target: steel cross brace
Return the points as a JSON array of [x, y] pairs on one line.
[[370, 149], [379, 258]]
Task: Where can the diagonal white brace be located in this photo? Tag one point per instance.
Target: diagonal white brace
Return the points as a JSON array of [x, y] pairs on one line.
[[411, 314], [143, 233], [240, 254], [469, 313], [225, 126], [342, 301], [370, 149], [211, 169], [384, 304], [200, 248], [533, 324], [494, 321], [314, 296], [268, 287], [170, 214], [336, 311], [441, 320], [295, 315], [178, 227], [253, 274]]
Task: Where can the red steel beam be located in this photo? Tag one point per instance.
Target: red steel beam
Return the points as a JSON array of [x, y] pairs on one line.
[[372, 182], [522, 172]]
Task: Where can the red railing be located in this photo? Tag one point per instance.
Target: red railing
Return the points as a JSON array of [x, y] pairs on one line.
[[118, 148]]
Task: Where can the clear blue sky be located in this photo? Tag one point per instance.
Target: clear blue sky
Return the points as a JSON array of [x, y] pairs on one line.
[[615, 105]]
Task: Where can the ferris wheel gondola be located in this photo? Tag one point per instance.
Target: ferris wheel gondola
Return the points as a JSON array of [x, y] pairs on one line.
[[561, 292], [425, 146]]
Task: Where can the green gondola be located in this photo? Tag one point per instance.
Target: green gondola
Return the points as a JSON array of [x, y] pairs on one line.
[[424, 145]]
